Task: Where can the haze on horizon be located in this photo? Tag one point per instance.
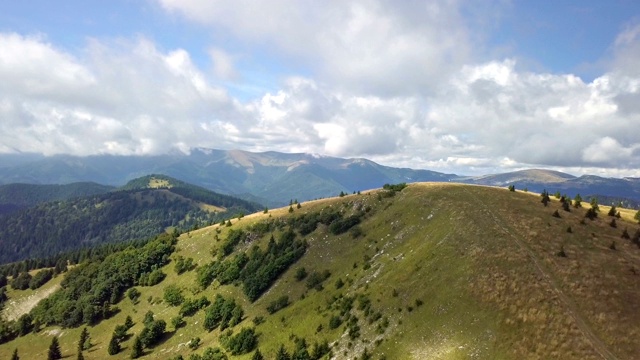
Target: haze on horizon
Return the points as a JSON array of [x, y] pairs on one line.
[[453, 86]]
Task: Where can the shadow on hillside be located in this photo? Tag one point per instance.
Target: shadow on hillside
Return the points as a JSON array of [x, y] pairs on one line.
[[167, 335]]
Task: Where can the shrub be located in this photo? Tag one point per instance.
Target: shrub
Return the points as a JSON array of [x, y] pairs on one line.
[[301, 273], [133, 294], [315, 280], [278, 304], [178, 322], [194, 343], [335, 322], [243, 342], [561, 253], [173, 295]]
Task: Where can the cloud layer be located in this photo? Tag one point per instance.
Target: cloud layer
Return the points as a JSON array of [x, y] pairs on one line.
[[402, 85]]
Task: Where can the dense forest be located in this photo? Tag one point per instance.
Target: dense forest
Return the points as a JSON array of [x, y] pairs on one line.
[[14, 197], [54, 227], [90, 289]]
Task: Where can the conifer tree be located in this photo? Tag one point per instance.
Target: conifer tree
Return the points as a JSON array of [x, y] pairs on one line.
[[128, 322], [80, 355], [136, 349], [577, 201], [84, 342], [282, 354], [612, 211], [15, 355], [257, 355], [545, 197], [114, 346], [54, 350]]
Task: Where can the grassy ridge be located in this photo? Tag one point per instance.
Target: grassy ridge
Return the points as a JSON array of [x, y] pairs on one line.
[[454, 272]]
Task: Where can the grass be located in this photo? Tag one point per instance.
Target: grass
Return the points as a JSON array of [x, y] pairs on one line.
[[458, 271]]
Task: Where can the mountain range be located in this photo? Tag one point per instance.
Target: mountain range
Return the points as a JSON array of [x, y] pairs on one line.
[[274, 179]]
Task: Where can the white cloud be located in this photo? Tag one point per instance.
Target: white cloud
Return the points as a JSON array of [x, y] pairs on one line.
[[398, 83], [122, 97], [370, 47], [223, 64]]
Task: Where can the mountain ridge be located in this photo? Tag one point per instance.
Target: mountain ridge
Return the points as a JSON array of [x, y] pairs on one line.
[[430, 270], [275, 178]]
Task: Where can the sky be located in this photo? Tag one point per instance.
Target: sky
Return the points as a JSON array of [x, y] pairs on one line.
[[466, 87]]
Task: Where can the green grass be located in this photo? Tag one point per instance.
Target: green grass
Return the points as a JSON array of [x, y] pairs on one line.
[[459, 272]]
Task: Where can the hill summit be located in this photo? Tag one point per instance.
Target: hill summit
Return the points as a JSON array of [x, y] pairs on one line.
[[426, 271]]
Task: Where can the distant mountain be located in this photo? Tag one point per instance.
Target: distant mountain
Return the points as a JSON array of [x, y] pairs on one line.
[[143, 208], [14, 197], [272, 178], [625, 190], [522, 177]]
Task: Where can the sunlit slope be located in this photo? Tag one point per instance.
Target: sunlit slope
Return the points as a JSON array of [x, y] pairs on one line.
[[438, 271]]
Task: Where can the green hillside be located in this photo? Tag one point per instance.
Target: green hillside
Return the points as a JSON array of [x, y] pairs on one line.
[[144, 208], [16, 196], [431, 271]]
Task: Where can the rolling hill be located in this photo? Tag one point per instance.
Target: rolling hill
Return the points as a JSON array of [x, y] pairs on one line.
[[430, 271], [142, 208], [18, 196]]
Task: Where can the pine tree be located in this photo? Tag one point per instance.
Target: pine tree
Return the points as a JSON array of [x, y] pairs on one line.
[[257, 355], [136, 349], [80, 356], [54, 350], [15, 355], [545, 197], [114, 346], [625, 234], [128, 322], [612, 211], [85, 340], [577, 201], [637, 217], [282, 354]]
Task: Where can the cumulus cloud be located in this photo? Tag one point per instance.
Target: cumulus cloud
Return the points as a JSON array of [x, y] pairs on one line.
[[379, 47], [398, 83], [123, 97]]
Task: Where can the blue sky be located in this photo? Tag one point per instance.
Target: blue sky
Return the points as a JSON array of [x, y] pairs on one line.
[[455, 86]]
